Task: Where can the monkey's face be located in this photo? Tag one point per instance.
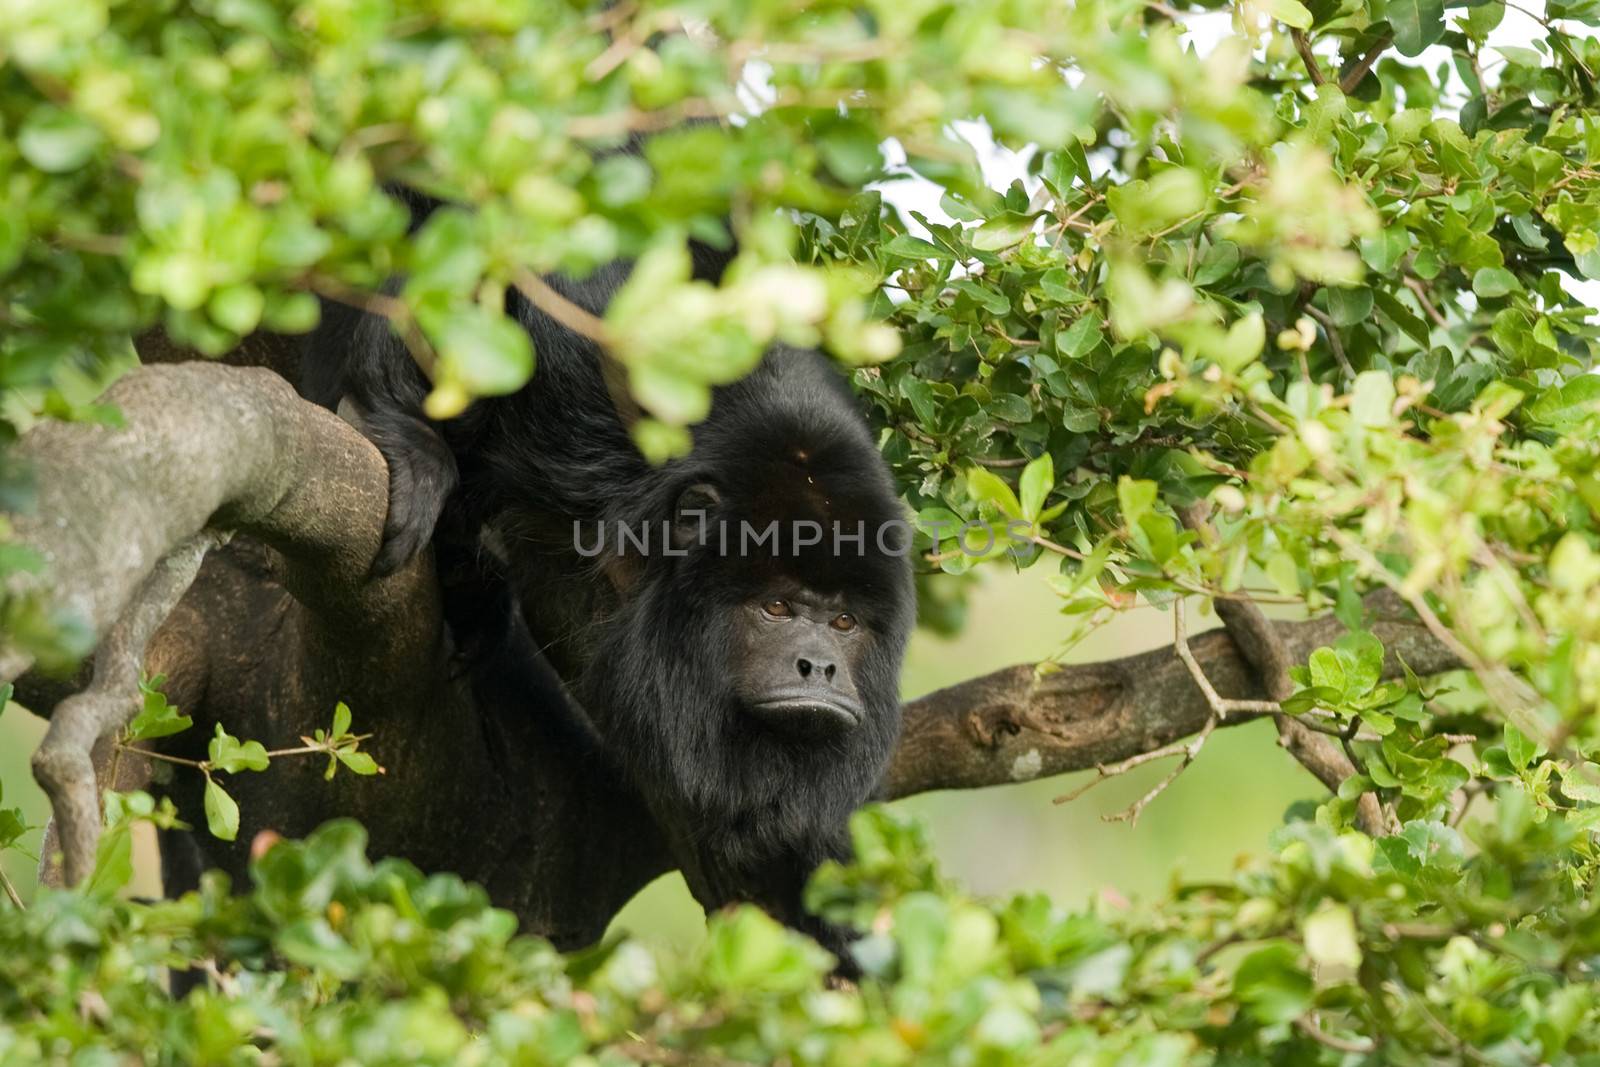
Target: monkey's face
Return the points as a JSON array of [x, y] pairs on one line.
[[754, 670], [796, 656]]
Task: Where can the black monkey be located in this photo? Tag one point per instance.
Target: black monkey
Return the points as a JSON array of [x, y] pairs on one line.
[[738, 655]]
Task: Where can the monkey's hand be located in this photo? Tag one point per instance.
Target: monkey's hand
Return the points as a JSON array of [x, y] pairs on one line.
[[422, 475]]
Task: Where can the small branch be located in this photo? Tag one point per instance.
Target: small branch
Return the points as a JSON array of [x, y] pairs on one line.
[[1331, 331], [1353, 76], [1302, 44], [1219, 707], [63, 764], [579, 320], [1421, 293], [181, 761], [1131, 813], [11, 891], [1359, 1045]]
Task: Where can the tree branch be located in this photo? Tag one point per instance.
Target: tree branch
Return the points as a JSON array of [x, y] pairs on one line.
[[1024, 722]]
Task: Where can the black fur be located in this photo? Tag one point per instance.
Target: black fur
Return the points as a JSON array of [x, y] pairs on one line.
[[643, 644]]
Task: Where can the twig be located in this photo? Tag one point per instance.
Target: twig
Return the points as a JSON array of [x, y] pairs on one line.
[[1353, 76], [1221, 708], [1361, 1045], [542, 295], [11, 891], [1302, 44], [1421, 292], [1187, 750], [1332, 333]]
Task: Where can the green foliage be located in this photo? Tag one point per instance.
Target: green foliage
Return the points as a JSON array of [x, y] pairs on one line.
[[1302, 281], [1430, 945]]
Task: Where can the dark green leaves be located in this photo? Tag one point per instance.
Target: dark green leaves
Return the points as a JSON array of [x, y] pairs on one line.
[[1416, 23]]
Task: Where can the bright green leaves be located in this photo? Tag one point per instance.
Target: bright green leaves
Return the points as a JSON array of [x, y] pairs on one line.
[[1135, 498], [1143, 207], [222, 811], [342, 746], [747, 951], [1038, 478], [156, 717], [1568, 407], [226, 754], [229, 754], [481, 353], [12, 824], [1289, 12], [1001, 231], [57, 141], [1491, 282], [1272, 985]]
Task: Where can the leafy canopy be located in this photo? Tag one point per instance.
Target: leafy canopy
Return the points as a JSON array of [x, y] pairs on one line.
[[1322, 275]]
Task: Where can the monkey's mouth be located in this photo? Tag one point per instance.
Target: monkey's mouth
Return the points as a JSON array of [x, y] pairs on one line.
[[807, 714]]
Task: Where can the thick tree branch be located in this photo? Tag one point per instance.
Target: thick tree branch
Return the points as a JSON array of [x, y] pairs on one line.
[[205, 446], [124, 519]]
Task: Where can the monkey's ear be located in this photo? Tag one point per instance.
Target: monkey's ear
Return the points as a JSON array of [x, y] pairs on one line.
[[691, 515]]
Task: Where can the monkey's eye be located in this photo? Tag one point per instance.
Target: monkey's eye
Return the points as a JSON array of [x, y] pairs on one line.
[[778, 609], [845, 622]]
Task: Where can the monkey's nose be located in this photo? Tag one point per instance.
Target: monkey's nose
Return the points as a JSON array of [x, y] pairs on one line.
[[805, 667]]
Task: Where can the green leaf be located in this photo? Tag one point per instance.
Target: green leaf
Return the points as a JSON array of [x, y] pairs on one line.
[[1329, 935], [1002, 231], [906, 246], [157, 718], [1038, 478], [1520, 750], [1372, 399], [1082, 336], [341, 719], [1219, 262], [222, 814], [487, 353], [359, 762], [1290, 13], [1361, 656], [1568, 407], [986, 486], [57, 141], [1416, 23], [1349, 307], [1135, 497], [1272, 985], [1327, 670], [1494, 281], [227, 753]]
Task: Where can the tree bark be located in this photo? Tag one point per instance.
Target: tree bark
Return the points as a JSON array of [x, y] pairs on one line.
[[284, 622]]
